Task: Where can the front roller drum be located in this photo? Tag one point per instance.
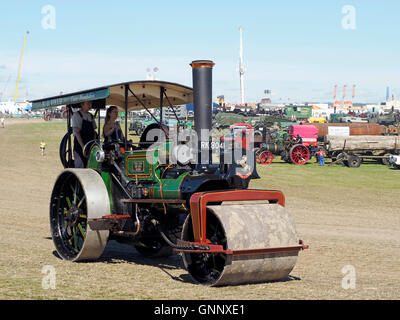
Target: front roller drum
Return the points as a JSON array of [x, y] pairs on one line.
[[78, 197], [240, 227]]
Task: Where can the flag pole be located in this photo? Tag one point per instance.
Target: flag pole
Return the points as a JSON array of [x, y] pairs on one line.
[[19, 69]]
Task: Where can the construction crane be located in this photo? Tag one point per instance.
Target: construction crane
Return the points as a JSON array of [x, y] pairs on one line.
[[19, 69]]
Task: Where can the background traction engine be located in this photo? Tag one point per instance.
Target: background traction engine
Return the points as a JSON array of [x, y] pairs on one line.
[[205, 212], [296, 144]]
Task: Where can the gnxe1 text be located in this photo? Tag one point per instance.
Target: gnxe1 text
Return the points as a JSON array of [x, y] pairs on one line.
[[225, 309], [204, 309]]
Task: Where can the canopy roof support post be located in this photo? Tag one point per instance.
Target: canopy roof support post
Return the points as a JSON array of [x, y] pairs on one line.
[[126, 116], [69, 129], [97, 113], [161, 102], [99, 129], [173, 110], [69, 113]]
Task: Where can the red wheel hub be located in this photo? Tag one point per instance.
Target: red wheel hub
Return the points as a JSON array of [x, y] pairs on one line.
[[266, 157], [299, 154]]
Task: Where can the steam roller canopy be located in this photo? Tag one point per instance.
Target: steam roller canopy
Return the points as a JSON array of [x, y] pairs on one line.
[[243, 226]]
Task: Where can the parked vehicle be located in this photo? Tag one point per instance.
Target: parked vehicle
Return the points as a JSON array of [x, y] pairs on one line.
[[352, 150], [296, 144]]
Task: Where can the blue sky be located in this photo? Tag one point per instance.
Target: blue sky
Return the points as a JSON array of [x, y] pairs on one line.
[[298, 49]]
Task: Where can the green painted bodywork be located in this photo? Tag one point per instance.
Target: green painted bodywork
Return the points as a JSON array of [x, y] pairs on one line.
[[138, 168], [144, 164], [169, 187], [286, 124], [300, 112], [108, 182], [92, 162], [336, 117]]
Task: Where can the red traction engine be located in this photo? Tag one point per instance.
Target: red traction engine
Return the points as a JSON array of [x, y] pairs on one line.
[[297, 148], [305, 137]]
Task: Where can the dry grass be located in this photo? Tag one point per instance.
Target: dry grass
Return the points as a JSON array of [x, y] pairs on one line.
[[348, 216]]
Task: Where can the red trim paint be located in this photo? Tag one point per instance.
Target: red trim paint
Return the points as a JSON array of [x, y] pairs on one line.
[[199, 201]]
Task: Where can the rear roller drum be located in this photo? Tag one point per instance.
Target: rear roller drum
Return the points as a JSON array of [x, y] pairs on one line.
[[236, 227], [205, 268], [79, 195]]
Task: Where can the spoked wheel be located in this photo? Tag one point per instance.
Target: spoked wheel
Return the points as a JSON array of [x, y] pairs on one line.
[[79, 196], [299, 154], [205, 268], [353, 161], [266, 157], [66, 151], [341, 158]]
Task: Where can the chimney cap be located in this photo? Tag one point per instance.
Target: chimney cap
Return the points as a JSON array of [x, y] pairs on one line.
[[202, 64]]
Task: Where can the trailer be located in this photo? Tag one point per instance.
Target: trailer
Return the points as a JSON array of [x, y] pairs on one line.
[[352, 150]]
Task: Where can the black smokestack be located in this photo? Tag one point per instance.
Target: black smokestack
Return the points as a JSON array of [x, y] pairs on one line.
[[202, 94]]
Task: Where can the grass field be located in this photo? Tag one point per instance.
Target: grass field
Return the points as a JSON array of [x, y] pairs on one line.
[[348, 216]]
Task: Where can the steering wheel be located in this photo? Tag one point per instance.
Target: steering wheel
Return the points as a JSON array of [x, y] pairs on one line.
[[153, 133]]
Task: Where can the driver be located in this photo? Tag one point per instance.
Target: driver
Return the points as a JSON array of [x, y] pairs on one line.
[[84, 126]]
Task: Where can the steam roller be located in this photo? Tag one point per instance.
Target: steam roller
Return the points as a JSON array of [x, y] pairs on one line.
[[176, 191]]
